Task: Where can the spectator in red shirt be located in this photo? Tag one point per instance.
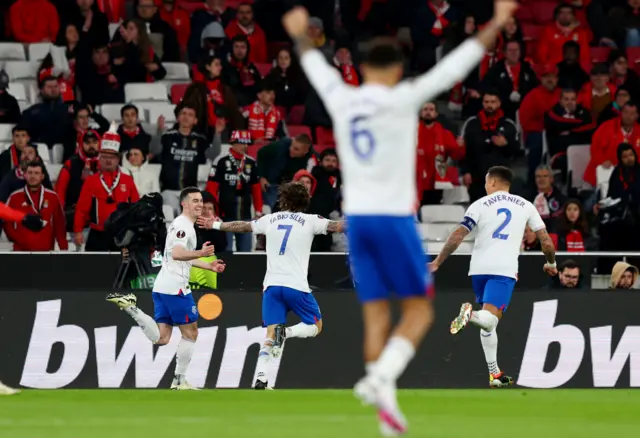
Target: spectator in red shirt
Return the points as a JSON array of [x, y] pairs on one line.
[[239, 73], [244, 24], [33, 198], [436, 145], [265, 121], [571, 233], [115, 10], [604, 146], [344, 63], [65, 78], [178, 19], [101, 193], [555, 34], [596, 94], [34, 21], [532, 111]]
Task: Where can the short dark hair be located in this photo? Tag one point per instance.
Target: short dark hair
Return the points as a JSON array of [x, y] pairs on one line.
[[569, 264], [188, 191], [304, 139], [128, 107], [36, 163], [293, 197], [630, 104], [502, 173], [240, 38], [492, 92], [19, 127], [47, 79], [208, 198], [245, 4], [513, 42], [383, 52], [571, 45], [267, 85], [562, 6], [331, 152], [567, 90]]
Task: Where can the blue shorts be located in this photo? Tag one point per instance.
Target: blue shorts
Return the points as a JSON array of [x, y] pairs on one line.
[[277, 301], [386, 257], [493, 289], [174, 309]]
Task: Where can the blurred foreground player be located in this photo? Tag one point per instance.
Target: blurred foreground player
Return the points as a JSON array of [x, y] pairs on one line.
[[500, 219], [290, 233], [172, 300], [375, 127]]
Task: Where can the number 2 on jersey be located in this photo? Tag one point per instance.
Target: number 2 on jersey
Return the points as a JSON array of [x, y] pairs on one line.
[[287, 231], [497, 233], [361, 138]]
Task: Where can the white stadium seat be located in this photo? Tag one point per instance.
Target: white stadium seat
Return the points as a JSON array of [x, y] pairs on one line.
[[436, 247], [578, 157], [442, 213], [113, 28], [203, 173], [4, 145], [111, 111], [43, 152], [12, 51], [54, 171], [440, 232], [157, 109], [5, 132], [18, 90], [167, 210], [24, 105], [20, 70], [57, 153], [39, 51], [145, 92], [176, 71], [603, 176]]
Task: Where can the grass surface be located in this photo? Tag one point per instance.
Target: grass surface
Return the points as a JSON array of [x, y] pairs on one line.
[[505, 413]]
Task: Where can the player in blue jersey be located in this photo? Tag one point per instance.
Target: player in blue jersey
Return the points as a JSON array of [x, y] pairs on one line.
[[499, 219], [375, 128]]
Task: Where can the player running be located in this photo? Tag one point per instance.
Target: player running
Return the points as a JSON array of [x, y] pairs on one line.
[[172, 300], [375, 127], [290, 234], [500, 219]]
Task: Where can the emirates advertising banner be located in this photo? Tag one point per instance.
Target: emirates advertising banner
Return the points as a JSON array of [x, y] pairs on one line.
[[583, 339]]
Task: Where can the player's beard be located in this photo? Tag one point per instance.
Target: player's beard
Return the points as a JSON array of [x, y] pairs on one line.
[[428, 121]]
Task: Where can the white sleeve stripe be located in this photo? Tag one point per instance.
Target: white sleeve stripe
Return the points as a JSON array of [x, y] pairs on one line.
[[464, 126]]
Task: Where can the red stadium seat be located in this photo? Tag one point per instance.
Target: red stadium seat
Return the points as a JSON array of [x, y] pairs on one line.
[[319, 148], [235, 3], [253, 149], [191, 7], [599, 54], [324, 136], [295, 130], [524, 14], [543, 11], [634, 55], [531, 32], [283, 111], [296, 115], [263, 68], [177, 92]]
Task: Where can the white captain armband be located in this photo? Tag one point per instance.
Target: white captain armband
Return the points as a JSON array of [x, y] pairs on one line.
[[468, 223]]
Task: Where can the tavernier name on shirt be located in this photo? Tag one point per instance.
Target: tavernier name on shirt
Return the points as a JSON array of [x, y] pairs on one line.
[[282, 216], [502, 197]]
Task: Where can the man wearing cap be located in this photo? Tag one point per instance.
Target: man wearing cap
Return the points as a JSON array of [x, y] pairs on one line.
[[233, 181], [532, 111], [596, 94], [101, 193]]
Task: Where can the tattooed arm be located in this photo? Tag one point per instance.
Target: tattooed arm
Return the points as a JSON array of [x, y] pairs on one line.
[[546, 243], [453, 242], [236, 227], [335, 227]]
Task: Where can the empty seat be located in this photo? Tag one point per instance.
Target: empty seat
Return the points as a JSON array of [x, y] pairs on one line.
[[578, 157], [24, 105], [603, 176], [324, 136], [634, 54], [600, 54], [113, 28], [436, 232], [531, 32], [17, 90], [203, 173], [295, 130], [524, 14], [57, 153], [167, 210], [442, 213], [263, 68], [296, 115], [5, 132], [111, 111], [176, 70], [543, 11], [43, 152], [53, 170], [157, 109], [177, 92], [12, 51], [151, 91], [39, 51], [20, 70], [4, 145]]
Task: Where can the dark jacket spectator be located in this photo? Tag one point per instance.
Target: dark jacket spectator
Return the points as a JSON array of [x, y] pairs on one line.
[[135, 55], [33, 21], [556, 34], [239, 73], [622, 75], [491, 139], [163, 39], [567, 123], [328, 184], [131, 132], [547, 198], [571, 230], [623, 19], [84, 120], [513, 79], [215, 12], [569, 276], [48, 121], [613, 110], [15, 180], [92, 23], [571, 74], [9, 107], [289, 80], [99, 79], [10, 157], [244, 24]]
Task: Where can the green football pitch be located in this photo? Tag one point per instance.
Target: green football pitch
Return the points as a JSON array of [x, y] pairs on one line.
[[504, 413]]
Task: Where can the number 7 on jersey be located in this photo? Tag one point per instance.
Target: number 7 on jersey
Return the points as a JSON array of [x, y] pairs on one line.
[[287, 232]]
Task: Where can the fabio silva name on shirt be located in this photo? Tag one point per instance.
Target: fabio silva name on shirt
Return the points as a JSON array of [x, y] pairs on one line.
[[291, 216]]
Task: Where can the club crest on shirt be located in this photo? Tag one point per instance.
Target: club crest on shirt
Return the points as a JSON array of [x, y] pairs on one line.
[[228, 164], [123, 188], [247, 168], [180, 234], [194, 144], [45, 204]]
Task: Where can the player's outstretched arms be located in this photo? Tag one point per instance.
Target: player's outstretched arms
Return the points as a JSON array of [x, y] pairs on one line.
[[336, 227], [453, 242], [549, 250], [214, 266], [181, 254], [234, 227]]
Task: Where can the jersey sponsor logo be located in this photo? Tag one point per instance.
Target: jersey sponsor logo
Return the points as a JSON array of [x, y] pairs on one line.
[[99, 355], [180, 234], [607, 361]]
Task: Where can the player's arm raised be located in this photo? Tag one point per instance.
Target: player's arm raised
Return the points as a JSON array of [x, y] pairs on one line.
[[549, 250], [453, 242], [231, 227], [458, 64]]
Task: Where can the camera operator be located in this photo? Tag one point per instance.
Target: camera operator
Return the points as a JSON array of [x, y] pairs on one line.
[[101, 193]]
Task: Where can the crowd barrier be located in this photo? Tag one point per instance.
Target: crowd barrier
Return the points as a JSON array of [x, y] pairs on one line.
[[548, 339]]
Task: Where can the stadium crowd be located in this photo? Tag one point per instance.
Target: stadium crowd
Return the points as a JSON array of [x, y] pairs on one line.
[[210, 94]]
